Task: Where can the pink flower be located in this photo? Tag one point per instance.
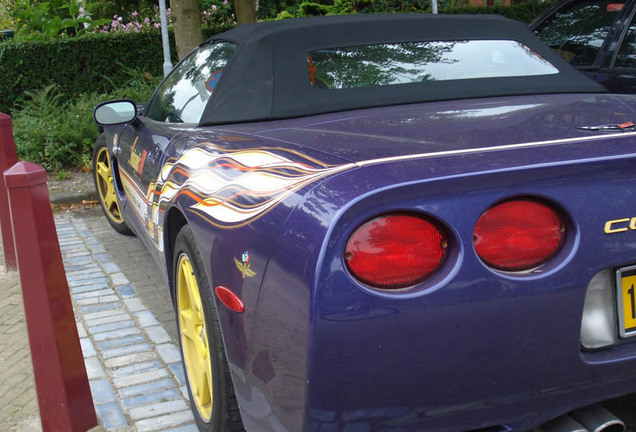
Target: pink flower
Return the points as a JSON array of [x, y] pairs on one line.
[[134, 14], [157, 25], [224, 2], [214, 7]]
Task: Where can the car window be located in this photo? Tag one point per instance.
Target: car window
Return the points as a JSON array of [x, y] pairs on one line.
[[577, 32], [409, 62], [626, 57], [182, 97]]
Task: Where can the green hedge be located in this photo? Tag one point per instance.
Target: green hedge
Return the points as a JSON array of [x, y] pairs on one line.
[[97, 63], [524, 12]]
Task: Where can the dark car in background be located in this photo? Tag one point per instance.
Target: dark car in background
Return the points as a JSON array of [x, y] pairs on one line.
[[598, 37]]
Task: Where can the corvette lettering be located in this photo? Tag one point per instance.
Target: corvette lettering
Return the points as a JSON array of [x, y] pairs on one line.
[[620, 225]]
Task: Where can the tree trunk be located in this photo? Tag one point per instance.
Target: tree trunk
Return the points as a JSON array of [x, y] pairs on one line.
[[186, 20], [245, 11]]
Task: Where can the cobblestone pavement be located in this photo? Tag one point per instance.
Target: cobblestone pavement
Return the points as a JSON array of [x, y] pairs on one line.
[[127, 331], [18, 400]]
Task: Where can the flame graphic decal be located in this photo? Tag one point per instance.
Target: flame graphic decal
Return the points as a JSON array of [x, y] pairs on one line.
[[231, 188]]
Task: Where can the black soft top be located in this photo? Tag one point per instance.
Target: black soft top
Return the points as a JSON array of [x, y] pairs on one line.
[[267, 77]]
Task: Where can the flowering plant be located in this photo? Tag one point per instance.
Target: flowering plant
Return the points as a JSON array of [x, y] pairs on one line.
[[136, 23]]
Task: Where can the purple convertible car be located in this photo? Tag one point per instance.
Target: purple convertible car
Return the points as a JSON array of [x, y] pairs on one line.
[[386, 223]]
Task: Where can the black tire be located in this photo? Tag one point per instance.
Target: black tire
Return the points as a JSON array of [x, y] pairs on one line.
[[105, 186], [222, 413]]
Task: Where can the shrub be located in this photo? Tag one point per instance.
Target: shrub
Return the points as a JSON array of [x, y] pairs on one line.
[[95, 63], [57, 133]]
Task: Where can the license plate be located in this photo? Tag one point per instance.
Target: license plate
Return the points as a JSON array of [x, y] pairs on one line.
[[626, 281]]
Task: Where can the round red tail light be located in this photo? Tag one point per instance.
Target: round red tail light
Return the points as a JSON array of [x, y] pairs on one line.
[[518, 235], [395, 251]]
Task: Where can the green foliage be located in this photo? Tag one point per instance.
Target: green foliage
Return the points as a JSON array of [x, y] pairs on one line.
[[52, 132], [86, 64], [45, 20], [57, 133], [525, 12], [313, 9], [284, 15], [6, 21]]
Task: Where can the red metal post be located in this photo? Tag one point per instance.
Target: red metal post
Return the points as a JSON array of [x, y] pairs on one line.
[[8, 158], [62, 386]]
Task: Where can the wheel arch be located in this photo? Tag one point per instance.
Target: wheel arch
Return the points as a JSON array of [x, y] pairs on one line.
[[174, 221]]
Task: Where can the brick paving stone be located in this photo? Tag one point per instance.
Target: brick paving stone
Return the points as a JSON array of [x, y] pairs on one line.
[[140, 378], [169, 353], [187, 428], [158, 423], [146, 398], [113, 326], [116, 334], [101, 314], [98, 307], [125, 291], [136, 368], [107, 320], [111, 415], [156, 409], [158, 334], [94, 368], [134, 304], [95, 281], [97, 300], [89, 287], [95, 293], [146, 318], [102, 391], [122, 341], [146, 388], [119, 279], [118, 362], [87, 347], [178, 372], [118, 352], [81, 331], [110, 267], [16, 395]]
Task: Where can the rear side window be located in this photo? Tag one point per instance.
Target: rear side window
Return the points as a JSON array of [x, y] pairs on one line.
[[577, 31], [182, 97], [410, 62]]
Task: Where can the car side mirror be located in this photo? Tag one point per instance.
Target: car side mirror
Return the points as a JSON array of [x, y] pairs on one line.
[[115, 112]]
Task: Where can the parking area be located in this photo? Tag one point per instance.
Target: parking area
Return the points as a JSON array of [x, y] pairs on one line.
[[127, 331]]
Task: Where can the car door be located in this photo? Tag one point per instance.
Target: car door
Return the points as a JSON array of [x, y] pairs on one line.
[[159, 133]]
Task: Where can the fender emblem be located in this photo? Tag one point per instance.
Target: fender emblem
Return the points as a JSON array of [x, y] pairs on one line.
[[244, 265]]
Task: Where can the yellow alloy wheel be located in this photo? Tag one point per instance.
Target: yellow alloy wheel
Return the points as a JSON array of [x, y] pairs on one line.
[[194, 338], [106, 185]]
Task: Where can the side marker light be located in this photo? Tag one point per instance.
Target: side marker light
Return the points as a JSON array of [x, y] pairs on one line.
[[229, 299]]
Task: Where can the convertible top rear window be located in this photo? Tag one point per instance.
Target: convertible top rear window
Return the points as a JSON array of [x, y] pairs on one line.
[[412, 62]]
